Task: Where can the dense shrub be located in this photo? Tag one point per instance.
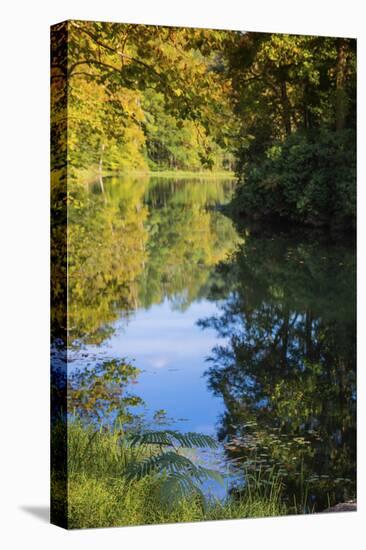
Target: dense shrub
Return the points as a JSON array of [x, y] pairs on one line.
[[309, 179]]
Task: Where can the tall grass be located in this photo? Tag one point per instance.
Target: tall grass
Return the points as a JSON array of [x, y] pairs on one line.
[[102, 452], [99, 494]]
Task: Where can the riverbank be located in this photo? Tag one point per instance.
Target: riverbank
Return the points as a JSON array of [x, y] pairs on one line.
[[101, 495], [92, 174], [185, 174]]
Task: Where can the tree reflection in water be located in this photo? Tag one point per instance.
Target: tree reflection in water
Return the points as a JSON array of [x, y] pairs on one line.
[[287, 373]]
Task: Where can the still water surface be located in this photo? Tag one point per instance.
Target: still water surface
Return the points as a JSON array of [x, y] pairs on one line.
[[244, 335]]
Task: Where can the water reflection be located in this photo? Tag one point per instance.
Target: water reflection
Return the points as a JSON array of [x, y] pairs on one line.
[[141, 256], [106, 254], [160, 279], [138, 242], [287, 375]]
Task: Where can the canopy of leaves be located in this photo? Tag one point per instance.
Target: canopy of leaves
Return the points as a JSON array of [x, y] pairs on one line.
[[296, 100], [141, 96]]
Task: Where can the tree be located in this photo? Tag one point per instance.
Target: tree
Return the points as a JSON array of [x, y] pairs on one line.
[[114, 71], [295, 96]]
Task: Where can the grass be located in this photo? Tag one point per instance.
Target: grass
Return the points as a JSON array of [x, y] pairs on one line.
[[181, 174], [109, 502], [99, 494], [91, 175]]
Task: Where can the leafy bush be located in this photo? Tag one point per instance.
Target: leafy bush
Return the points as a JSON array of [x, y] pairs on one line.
[[309, 179]]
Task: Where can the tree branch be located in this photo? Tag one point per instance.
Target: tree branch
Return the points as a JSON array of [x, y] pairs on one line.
[[115, 50], [92, 62]]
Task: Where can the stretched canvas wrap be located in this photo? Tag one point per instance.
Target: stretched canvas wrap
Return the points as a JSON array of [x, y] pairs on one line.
[[203, 220]]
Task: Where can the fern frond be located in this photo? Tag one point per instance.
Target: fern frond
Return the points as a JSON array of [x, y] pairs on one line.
[[179, 476], [170, 438], [171, 463], [164, 462], [193, 439], [207, 473], [178, 486], [150, 438]]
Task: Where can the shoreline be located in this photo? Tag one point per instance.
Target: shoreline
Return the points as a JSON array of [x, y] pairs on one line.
[[92, 176]]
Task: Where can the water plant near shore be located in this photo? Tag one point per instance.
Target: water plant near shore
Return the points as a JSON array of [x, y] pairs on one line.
[[128, 480]]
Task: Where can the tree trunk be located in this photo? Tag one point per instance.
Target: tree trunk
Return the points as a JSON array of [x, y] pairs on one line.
[[341, 98], [306, 112], [285, 335], [285, 108], [308, 335], [101, 168]]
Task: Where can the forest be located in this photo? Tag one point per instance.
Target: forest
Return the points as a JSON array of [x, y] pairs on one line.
[[278, 110], [203, 195]]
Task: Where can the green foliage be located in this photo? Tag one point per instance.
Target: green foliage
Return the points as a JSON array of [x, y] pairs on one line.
[[106, 254], [99, 394], [180, 477], [178, 144], [127, 97], [103, 452], [187, 237], [140, 97], [287, 370], [171, 438], [296, 99], [146, 97], [309, 179], [138, 241], [99, 495], [108, 502]]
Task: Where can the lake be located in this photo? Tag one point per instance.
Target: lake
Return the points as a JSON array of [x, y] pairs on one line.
[[246, 334]]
